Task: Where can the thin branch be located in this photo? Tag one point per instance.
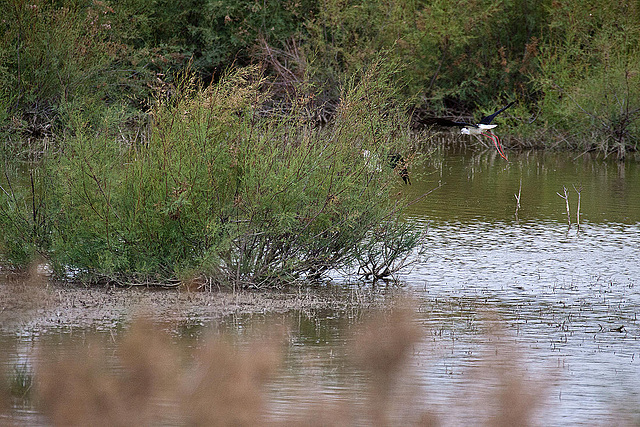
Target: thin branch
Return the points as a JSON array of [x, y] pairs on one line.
[[517, 196], [578, 190], [566, 199]]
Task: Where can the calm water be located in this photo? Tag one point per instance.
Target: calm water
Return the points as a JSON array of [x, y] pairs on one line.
[[560, 293], [565, 300]]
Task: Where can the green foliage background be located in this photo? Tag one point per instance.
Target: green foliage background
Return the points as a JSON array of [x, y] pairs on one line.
[[554, 57], [172, 138]]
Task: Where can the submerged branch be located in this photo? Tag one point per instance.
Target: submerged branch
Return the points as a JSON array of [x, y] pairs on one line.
[[566, 199]]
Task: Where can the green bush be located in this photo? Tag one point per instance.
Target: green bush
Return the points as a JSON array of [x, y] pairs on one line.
[[223, 191], [25, 211], [214, 34], [589, 76], [469, 54], [458, 55], [58, 57]]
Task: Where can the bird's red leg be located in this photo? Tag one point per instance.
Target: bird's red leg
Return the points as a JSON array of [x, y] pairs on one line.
[[497, 143], [500, 148]]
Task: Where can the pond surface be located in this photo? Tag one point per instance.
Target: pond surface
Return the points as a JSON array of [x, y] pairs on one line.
[[560, 302], [568, 296]]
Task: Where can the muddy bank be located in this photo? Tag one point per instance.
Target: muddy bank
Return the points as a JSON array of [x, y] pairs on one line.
[[40, 304]]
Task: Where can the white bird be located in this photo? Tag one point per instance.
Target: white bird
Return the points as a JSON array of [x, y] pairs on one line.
[[372, 161], [396, 162]]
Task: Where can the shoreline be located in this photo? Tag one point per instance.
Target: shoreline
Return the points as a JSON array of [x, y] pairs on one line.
[[41, 305]]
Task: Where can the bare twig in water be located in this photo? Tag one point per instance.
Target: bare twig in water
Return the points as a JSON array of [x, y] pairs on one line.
[[566, 199], [578, 190], [517, 196]]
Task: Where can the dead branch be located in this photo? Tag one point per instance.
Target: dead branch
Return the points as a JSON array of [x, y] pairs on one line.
[[566, 199], [578, 190]]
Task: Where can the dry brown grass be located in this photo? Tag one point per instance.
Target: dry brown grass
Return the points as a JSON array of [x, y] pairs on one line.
[[152, 381], [226, 387], [513, 396], [80, 386], [24, 290], [154, 384], [382, 346]]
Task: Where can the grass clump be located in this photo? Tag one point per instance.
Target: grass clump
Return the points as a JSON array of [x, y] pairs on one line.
[[59, 57], [21, 381], [148, 380], [223, 189]]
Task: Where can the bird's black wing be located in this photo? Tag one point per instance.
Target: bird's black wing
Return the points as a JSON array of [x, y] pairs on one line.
[[488, 119], [444, 122]]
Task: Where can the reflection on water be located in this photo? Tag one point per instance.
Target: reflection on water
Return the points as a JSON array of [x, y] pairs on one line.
[[566, 300], [569, 298], [482, 188], [570, 301]]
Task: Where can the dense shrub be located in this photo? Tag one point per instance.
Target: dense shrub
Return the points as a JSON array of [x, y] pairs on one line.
[[590, 76], [60, 57], [556, 58], [223, 192], [458, 55]]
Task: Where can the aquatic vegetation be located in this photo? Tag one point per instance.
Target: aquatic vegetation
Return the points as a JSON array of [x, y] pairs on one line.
[[21, 382]]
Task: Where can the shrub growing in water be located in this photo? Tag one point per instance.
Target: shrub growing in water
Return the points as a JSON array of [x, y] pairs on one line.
[[225, 193]]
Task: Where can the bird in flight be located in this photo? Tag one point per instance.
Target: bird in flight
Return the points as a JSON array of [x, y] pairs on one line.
[[476, 129]]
